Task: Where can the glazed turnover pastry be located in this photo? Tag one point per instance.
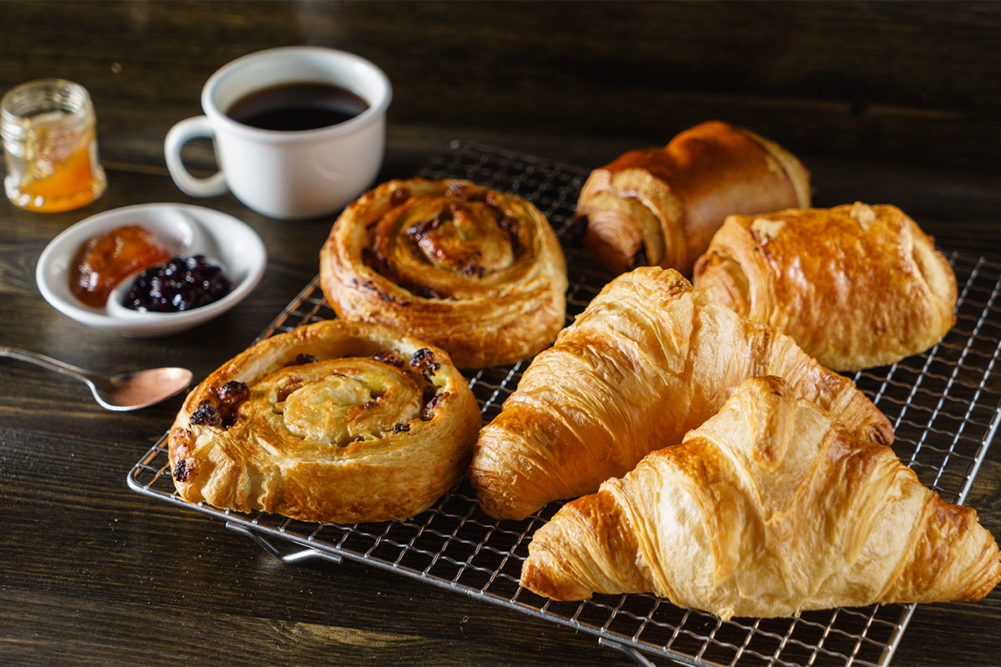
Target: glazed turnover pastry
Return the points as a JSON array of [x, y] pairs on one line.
[[661, 206], [335, 421], [855, 285], [475, 271], [649, 359], [767, 509]]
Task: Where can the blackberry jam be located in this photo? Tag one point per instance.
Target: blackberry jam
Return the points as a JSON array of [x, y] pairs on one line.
[[183, 283]]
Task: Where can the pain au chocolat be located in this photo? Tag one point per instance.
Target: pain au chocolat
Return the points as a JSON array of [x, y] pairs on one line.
[[661, 206], [855, 285], [475, 271], [335, 421]]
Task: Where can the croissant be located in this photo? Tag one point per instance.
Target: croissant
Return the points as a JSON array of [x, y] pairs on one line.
[[856, 286], [769, 508], [477, 272], [661, 206], [335, 421], [649, 359]]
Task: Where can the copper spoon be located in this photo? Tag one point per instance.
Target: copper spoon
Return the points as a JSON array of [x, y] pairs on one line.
[[126, 391]]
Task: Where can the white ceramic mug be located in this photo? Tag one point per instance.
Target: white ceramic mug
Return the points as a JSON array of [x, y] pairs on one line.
[[287, 174]]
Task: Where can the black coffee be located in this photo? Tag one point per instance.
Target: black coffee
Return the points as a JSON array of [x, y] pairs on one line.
[[297, 106]]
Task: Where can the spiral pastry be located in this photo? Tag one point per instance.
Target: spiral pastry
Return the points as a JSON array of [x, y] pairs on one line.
[[336, 421], [477, 272]]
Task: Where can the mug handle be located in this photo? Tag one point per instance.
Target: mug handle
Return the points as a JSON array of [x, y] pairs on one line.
[[180, 134]]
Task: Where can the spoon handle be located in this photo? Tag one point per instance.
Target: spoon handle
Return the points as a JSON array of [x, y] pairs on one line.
[[45, 362]]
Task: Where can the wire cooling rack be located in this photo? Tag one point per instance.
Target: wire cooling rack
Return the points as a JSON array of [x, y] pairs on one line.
[[944, 407]]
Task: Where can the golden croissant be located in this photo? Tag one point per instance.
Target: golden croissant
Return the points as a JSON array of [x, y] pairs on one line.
[[661, 206], [769, 508], [649, 359], [855, 285]]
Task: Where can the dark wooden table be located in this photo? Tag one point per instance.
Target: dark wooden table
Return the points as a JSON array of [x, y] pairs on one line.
[[895, 102]]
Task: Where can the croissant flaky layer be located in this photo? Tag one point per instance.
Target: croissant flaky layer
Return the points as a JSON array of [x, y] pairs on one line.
[[649, 359], [475, 271], [335, 421], [661, 206], [767, 509], [855, 285]]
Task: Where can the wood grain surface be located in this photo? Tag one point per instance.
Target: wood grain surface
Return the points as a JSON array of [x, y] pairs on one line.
[[884, 102]]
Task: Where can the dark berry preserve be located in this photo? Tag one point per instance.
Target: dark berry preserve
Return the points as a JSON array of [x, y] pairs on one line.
[[183, 283]]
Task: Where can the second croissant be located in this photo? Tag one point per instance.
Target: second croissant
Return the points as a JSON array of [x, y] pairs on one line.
[[649, 359]]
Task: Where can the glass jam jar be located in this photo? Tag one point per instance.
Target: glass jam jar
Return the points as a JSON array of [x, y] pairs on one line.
[[50, 142]]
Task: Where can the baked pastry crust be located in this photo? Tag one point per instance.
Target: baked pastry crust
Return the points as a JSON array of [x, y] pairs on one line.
[[856, 286], [661, 206], [335, 421], [767, 509], [649, 359], [477, 272]]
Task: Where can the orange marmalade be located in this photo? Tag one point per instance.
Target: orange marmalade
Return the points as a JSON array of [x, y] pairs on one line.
[[102, 262]]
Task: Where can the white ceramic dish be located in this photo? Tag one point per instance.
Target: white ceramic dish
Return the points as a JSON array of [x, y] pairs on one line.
[[185, 230]]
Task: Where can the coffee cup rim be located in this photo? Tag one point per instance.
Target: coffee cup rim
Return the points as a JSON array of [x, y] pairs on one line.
[[376, 108]]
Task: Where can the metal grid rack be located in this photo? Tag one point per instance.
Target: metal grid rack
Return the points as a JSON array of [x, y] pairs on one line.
[[944, 406]]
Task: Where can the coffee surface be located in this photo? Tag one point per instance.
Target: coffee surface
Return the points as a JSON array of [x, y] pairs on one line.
[[297, 106]]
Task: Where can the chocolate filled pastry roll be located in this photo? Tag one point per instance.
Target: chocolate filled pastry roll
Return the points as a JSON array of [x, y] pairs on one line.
[[855, 285], [649, 359], [661, 206], [335, 421], [767, 509], [477, 272]]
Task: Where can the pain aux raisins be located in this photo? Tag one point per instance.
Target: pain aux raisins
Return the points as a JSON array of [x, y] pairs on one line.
[[182, 284]]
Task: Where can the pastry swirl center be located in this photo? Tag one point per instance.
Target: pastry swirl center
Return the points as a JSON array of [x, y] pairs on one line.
[[443, 246], [341, 401]]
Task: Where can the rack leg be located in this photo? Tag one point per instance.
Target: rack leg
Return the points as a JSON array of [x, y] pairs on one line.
[[286, 557]]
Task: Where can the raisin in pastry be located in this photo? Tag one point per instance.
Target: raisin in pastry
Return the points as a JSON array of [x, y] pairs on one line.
[[335, 421]]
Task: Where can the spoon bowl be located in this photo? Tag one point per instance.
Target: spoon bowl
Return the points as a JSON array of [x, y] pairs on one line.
[[119, 393]]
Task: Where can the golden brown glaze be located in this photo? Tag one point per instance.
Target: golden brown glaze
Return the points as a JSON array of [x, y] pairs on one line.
[[769, 508], [662, 206], [477, 272], [856, 286], [649, 359], [335, 421]]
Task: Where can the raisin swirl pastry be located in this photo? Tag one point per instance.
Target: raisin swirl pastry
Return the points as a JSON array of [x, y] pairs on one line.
[[477, 272], [336, 422]]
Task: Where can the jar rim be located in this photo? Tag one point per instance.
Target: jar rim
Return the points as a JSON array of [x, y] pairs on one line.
[[33, 98]]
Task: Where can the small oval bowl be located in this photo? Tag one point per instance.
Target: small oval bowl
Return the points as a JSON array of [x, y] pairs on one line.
[[184, 230]]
